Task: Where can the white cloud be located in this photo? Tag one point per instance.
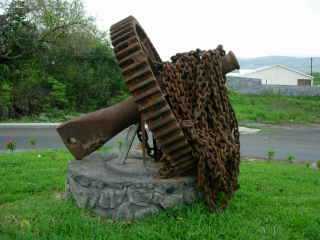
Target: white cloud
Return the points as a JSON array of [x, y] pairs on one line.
[[249, 27]]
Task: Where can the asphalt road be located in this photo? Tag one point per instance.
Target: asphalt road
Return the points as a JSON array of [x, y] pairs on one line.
[[302, 142]]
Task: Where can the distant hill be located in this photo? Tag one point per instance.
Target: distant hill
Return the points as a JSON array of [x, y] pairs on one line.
[[301, 64]]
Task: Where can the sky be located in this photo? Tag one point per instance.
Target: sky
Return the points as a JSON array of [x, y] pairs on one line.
[[250, 28]]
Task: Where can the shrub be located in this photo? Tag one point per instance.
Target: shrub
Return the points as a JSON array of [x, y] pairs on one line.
[[290, 158], [318, 164], [271, 153], [33, 142], [120, 145], [11, 145]]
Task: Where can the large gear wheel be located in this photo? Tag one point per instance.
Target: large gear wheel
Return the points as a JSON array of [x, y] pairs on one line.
[[138, 59]]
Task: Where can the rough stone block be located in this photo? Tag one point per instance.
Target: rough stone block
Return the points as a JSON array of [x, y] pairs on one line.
[[125, 191]]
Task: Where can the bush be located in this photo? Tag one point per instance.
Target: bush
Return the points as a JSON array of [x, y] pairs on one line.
[[271, 153], [290, 158], [10, 145], [33, 142]]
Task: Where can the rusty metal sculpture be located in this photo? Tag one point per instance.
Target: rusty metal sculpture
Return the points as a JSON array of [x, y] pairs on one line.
[[189, 130]]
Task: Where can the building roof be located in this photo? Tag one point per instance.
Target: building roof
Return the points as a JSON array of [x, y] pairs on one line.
[[244, 72]]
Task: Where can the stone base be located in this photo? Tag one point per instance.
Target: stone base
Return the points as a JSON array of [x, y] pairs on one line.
[[127, 191]]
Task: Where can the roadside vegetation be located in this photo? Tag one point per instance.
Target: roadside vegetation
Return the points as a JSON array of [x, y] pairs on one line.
[[276, 109], [316, 80], [275, 201], [273, 109], [54, 59]]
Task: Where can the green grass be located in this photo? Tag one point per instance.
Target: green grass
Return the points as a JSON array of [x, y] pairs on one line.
[[275, 201], [276, 109]]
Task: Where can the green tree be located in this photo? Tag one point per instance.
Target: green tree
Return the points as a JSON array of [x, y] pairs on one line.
[[17, 34], [54, 57], [57, 95]]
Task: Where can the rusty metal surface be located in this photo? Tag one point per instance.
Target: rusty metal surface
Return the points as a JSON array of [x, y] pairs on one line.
[[136, 55], [194, 84], [85, 134], [229, 63], [139, 62]]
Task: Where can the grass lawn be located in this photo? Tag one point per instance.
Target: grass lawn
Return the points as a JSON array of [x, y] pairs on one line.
[[276, 109], [275, 201]]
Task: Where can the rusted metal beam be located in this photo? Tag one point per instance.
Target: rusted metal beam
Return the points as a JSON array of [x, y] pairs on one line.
[[85, 134], [229, 63]]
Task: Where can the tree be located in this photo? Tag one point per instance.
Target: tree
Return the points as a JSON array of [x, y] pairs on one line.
[[53, 56], [28, 26], [17, 34]]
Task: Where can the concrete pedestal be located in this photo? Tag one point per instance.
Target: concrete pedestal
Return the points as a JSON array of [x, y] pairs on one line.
[[130, 191]]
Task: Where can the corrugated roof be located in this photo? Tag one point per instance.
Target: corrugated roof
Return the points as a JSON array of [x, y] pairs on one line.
[[244, 72]]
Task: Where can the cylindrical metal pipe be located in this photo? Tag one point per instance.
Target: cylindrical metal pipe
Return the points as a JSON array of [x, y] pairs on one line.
[[85, 134], [229, 63]]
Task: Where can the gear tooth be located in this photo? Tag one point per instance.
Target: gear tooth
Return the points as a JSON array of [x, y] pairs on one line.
[[132, 58], [125, 44], [118, 38], [134, 84], [134, 47], [179, 145], [121, 32], [123, 22]]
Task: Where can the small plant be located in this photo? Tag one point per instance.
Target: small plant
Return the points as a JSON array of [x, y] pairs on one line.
[[11, 145], [33, 142], [308, 165], [271, 153], [120, 145], [290, 158], [318, 164]]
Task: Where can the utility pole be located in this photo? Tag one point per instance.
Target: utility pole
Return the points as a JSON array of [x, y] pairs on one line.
[[311, 66]]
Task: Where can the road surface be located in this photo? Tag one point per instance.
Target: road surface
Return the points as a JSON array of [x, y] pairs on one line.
[[302, 142]]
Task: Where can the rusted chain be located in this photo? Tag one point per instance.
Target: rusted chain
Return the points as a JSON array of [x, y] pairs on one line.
[[194, 86]]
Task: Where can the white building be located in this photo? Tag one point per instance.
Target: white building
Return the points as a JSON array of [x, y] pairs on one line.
[[276, 75]]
